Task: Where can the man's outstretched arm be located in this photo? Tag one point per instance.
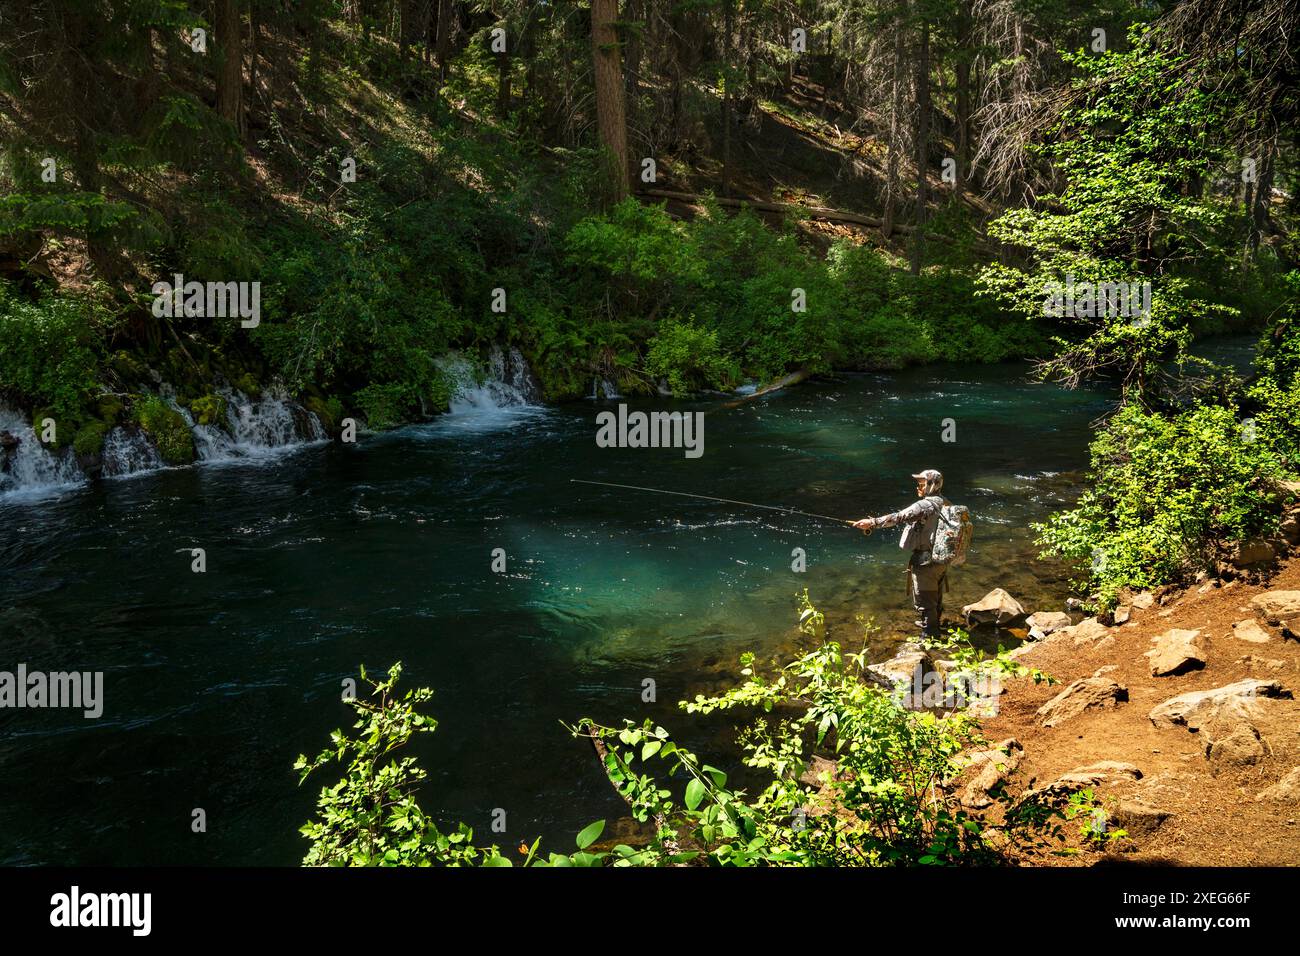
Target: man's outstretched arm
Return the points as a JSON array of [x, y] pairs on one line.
[[912, 512]]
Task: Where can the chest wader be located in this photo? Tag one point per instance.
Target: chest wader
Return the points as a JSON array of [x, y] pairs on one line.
[[926, 583]]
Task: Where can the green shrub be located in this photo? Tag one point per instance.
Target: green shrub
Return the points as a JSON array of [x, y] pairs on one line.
[[383, 405], [689, 358], [1167, 492], [890, 802], [48, 352]]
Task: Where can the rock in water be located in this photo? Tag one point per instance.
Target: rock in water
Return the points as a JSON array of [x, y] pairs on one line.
[[1043, 623], [1085, 694], [996, 607], [1176, 651]]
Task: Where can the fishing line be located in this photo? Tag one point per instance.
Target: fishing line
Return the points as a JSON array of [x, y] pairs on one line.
[[729, 501]]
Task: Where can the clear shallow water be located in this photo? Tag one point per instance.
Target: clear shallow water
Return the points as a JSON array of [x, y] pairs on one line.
[[335, 555]]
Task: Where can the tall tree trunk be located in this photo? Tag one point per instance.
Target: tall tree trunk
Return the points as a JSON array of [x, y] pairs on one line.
[[961, 108], [633, 12], [252, 59], [609, 92], [895, 132], [727, 7], [403, 28], [446, 12], [1258, 212], [230, 71], [922, 143], [503, 81]]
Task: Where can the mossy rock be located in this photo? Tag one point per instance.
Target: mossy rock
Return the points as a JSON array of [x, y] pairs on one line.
[[209, 410], [89, 440], [60, 432], [110, 409], [167, 428], [328, 410], [248, 385], [127, 367]]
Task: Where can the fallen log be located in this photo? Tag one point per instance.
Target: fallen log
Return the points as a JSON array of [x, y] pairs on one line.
[[794, 378]]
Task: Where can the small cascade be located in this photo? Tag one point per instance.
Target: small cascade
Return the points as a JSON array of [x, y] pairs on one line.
[[603, 388], [254, 429], [28, 468], [493, 393], [127, 451]]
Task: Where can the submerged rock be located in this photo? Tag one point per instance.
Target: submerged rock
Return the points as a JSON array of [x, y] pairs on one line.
[[1043, 623]]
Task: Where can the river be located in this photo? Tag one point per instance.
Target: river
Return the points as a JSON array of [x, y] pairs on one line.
[[327, 556]]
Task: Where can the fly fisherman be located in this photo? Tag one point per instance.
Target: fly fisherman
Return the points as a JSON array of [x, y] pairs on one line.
[[926, 580]]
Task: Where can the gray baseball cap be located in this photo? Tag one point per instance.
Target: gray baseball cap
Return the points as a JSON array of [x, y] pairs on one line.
[[931, 477]]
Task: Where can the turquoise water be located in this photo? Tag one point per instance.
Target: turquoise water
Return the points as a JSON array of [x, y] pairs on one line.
[[331, 556]]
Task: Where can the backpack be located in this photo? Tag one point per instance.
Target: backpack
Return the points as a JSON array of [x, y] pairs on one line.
[[952, 534]]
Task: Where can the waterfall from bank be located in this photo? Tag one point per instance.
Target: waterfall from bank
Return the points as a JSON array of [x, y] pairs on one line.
[[251, 428], [254, 429], [490, 394], [28, 468]]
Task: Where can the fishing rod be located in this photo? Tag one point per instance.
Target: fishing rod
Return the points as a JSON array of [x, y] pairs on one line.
[[729, 501]]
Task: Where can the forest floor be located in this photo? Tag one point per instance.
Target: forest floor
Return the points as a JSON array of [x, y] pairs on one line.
[[1188, 797]]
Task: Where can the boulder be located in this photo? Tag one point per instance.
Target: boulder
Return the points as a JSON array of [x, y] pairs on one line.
[[1290, 529], [1085, 694], [1288, 788], [1043, 623], [1139, 820], [1253, 551], [1080, 778], [1249, 630], [997, 607], [1277, 607], [1086, 631], [1144, 601], [988, 768], [1240, 748], [1122, 614], [1196, 708], [1104, 771], [1176, 651], [901, 668]]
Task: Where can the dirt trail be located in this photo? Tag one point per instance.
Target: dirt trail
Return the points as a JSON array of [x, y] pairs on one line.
[[1214, 816]]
